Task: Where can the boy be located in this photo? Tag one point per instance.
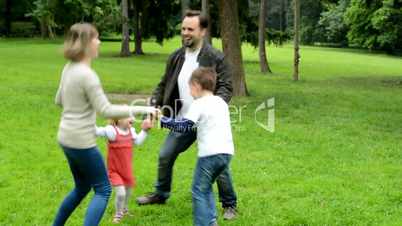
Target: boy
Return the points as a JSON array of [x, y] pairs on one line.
[[210, 115]]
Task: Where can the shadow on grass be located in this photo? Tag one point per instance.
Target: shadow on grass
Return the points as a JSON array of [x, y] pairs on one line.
[[363, 82], [162, 57]]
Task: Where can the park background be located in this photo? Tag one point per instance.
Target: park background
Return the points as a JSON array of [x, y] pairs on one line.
[[335, 155]]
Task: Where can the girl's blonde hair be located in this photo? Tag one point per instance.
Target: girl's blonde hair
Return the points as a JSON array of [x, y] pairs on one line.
[[77, 41]]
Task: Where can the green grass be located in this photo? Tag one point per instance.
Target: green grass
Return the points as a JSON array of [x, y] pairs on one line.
[[334, 159]]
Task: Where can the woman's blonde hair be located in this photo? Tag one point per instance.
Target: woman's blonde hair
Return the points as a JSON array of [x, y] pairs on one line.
[[77, 41]]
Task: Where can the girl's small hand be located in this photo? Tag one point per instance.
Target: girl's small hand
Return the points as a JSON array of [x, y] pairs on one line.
[[146, 124]]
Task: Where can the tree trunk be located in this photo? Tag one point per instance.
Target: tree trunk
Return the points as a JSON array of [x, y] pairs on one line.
[[296, 40], [229, 23], [50, 32], [7, 17], [264, 67], [184, 6], [205, 11], [43, 28], [281, 15], [125, 42], [137, 31], [286, 12]]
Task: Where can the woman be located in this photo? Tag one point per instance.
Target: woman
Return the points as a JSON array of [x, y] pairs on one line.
[[81, 96]]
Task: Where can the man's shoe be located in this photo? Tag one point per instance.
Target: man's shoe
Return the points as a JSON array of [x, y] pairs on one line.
[[229, 213], [151, 198]]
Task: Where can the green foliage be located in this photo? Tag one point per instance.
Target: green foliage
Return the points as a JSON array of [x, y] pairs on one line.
[[388, 21], [375, 24], [43, 12], [160, 19], [23, 29], [105, 14], [333, 23], [277, 37], [249, 17], [310, 30]]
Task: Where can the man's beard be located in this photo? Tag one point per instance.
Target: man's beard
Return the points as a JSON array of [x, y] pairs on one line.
[[189, 43]]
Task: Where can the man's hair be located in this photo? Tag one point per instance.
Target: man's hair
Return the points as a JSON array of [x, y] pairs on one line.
[[205, 77], [77, 41], [202, 17]]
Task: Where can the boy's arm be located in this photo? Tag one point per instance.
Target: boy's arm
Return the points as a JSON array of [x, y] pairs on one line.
[[187, 123], [107, 132], [177, 125]]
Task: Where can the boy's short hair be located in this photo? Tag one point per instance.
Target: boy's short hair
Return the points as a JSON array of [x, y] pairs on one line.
[[205, 77], [77, 41]]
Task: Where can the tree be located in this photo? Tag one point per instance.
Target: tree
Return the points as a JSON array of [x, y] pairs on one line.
[[7, 17], [229, 26], [264, 67], [333, 23], [184, 6], [375, 24], [104, 14], [125, 42], [44, 13], [205, 11], [157, 19], [310, 30], [138, 20], [296, 39]]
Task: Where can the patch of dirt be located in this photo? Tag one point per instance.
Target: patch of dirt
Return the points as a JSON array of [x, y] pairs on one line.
[[392, 82], [138, 99]]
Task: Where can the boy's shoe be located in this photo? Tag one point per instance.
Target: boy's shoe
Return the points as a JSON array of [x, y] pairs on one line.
[[117, 218], [214, 224], [151, 198], [229, 213]]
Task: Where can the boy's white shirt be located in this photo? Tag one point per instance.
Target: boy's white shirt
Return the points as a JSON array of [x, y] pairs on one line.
[[110, 133], [214, 134]]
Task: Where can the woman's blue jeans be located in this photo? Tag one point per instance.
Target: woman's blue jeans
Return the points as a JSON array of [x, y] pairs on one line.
[[89, 172]]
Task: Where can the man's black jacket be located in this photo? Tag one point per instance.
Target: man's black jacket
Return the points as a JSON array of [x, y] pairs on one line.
[[167, 91]]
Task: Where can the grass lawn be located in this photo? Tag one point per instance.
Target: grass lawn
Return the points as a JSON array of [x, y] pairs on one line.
[[334, 159]]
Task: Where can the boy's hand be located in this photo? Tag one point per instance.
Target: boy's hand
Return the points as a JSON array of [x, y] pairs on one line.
[[157, 115]]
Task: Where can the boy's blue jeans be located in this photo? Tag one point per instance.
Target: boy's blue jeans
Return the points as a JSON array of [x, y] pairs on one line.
[[206, 172], [89, 171], [175, 144]]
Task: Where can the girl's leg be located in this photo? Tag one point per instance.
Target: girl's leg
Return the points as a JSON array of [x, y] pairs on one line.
[[119, 203], [128, 194], [120, 198]]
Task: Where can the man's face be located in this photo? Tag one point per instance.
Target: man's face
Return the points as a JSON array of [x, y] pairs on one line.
[[191, 32]]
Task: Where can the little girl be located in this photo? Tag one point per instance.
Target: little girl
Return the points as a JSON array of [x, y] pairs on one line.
[[121, 139]]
